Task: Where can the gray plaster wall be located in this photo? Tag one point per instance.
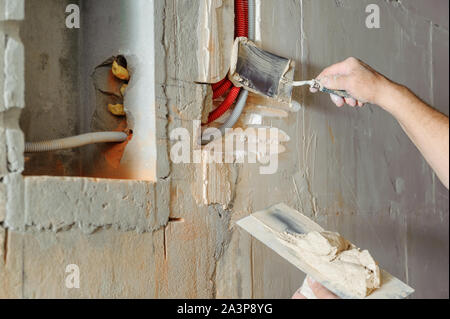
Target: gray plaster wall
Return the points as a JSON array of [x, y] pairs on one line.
[[52, 80]]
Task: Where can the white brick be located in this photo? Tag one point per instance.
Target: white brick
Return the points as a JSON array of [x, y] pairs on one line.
[[3, 158], [2, 244], [53, 203], [14, 201], [14, 86], [440, 69], [2, 70], [2, 202], [12, 9], [15, 146]]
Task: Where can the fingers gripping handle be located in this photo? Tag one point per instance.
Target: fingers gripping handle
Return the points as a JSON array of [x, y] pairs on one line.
[[306, 290], [318, 86], [340, 93]]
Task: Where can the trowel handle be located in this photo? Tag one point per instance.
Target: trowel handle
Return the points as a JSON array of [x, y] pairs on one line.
[[340, 93]]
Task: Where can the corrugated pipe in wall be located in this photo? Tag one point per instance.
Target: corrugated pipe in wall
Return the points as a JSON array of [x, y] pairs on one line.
[[245, 26], [76, 141], [241, 24]]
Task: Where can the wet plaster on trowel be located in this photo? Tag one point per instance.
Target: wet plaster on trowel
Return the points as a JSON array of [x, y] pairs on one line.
[[338, 260]]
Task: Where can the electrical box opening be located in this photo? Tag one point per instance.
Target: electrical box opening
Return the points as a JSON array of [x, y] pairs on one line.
[[75, 85]]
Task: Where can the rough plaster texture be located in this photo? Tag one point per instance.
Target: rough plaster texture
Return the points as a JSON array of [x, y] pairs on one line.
[[11, 138], [15, 143], [59, 203], [14, 84], [3, 153], [2, 74], [11, 10], [52, 83], [2, 202], [353, 171], [210, 62]]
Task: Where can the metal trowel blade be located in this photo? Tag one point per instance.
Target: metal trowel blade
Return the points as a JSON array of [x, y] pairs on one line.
[[266, 225]]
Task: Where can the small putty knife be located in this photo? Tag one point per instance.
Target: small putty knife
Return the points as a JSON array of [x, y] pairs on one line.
[[266, 226], [267, 74], [315, 84]]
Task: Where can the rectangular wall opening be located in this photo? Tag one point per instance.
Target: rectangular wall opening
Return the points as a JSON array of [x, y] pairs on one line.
[[68, 94]]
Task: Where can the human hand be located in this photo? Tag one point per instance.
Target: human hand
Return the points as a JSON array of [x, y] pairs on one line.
[[319, 291], [357, 78]]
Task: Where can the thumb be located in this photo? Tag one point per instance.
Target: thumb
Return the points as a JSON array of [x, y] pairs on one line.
[[334, 82], [320, 291]]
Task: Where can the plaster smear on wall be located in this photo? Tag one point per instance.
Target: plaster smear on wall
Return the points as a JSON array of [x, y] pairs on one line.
[[213, 52], [214, 183]]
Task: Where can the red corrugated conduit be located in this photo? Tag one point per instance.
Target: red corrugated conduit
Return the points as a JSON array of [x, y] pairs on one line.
[[226, 104], [220, 88], [217, 85]]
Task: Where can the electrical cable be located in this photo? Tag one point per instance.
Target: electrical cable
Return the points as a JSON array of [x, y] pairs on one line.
[[75, 141]]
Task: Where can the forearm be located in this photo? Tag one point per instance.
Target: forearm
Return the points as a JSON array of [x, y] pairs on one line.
[[426, 127]]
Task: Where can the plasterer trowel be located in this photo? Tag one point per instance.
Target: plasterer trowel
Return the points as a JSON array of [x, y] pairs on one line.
[[266, 226], [267, 74]]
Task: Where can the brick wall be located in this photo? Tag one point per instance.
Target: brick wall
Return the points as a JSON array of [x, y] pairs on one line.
[[11, 97]]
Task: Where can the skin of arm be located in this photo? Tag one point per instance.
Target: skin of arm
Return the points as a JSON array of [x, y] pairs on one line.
[[426, 127]]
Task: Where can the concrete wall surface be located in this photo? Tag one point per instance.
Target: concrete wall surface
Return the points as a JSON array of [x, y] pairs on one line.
[[352, 171]]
